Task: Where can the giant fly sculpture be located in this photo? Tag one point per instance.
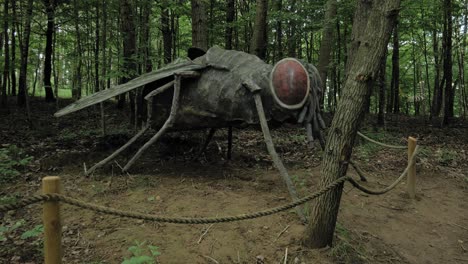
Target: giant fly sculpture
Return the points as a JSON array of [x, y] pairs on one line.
[[222, 88]]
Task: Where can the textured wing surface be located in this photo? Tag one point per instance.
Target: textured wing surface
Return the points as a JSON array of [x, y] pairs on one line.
[[132, 84]]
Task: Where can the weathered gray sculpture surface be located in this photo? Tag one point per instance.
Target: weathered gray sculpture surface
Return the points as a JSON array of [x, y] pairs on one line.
[[222, 88]]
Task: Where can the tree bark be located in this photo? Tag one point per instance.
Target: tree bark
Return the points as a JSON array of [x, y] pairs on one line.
[[199, 23], [382, 88], [368, 46], [166, 32], [448, 63], [78, 83], [395, 84], [278, 50], [258, 45], [6, 65], [326, 43], [13, 50], [130, 67], [437, 96], [230, 15], [24, 47], [50, 10]]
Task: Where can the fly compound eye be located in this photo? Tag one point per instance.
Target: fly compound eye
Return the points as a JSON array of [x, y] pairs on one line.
[[289, 83]]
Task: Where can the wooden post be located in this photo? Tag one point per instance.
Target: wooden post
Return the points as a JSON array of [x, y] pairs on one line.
[[411, 181], [52, 223]]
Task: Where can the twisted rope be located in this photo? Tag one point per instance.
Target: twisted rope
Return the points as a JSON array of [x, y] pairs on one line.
[[174, 220], [380, 143], [186, 220], [391, 186]]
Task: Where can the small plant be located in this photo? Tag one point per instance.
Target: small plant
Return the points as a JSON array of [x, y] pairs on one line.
[[12, 159], [142, 254], [8, 199], [446, 157], [345, 249]]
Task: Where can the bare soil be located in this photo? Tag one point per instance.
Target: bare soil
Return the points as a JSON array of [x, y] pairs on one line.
[[174, 179]]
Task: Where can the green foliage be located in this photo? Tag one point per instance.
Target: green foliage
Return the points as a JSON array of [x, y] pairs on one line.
[[8, 199], [33, 233], [446, 157], [345, 250], [142, 254], [12, 159]]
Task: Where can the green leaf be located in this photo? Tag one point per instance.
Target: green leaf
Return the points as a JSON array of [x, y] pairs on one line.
[[35, 232]]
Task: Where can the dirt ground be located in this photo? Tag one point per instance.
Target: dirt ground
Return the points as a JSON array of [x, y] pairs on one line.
[[173, 179]]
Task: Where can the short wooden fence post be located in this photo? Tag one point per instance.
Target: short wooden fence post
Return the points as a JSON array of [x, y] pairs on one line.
[[52, 222], [411, 181]]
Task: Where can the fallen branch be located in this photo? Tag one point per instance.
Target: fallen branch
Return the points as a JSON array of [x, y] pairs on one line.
[[204, 234], [280, 233], [212, 259]]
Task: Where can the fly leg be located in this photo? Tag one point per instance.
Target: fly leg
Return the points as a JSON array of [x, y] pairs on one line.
[[138, 135], [207, 141], [229, 150], [210, 136], [170, 120], [271, 148]]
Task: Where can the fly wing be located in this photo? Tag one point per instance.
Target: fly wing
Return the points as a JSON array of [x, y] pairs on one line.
[[130, 85]]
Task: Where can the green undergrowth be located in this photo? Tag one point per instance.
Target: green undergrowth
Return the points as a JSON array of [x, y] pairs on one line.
[[345, 248], [142, 253], [12, 161]]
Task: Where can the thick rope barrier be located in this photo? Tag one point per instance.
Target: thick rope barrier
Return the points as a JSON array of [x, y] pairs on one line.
[[391, 186], [186, 220], [174, 220], [380, 143]]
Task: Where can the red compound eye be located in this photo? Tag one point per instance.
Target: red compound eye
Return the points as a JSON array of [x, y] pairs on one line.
[[289, 83]]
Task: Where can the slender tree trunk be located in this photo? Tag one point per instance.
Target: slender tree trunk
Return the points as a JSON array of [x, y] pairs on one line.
[[437, 96], [76, 90], [230, 14], [448, 63], [199, 24], [24, 47], [130, 66], [13, 49], [148, 64], [372, 38], [166, 32], [6, 65], [426, 62], [258, 45], [327, 43], [278, 6], [292, 31], [50, 10], [97, 48], [395, 85], [382, 88]]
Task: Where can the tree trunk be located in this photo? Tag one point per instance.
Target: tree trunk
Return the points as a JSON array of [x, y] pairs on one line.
[[166, 32], [230, 14], [199, 23], [258, 45], [369, 43], [13, 50], [448, 63], [437, 96], [279, 30], [130, 66], [326, 43], [6, 65], [395, 84], [291, 32], [382, 88], [76, 90], [50, 10], [24, 47]]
